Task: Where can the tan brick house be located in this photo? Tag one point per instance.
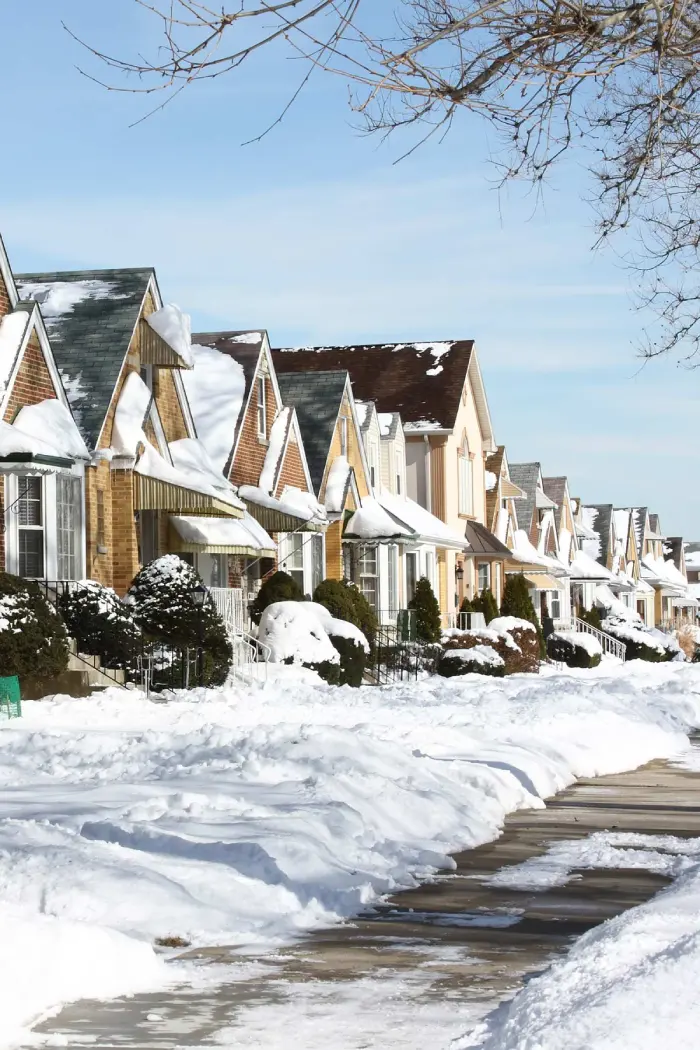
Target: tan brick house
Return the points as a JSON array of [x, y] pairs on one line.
[[42, 455], [120, 354], [253, 436]]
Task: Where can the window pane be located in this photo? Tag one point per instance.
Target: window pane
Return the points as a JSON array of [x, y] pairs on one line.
[[368, 561], [31, 553], [483, 576], [29, 502], [67, 519]]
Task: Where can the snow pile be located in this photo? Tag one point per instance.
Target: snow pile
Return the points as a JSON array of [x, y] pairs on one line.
[[511, 623], [339, 628], [485, 633], [278, 434], [336, 484], [581, 639], [478, 654], [584, 567], [175, 328], [293, 501], [293, 632], [130, 416], [248, 814], [372, 522], [215, 389], [629, 984], [50, 421], [490, 480], [606, 600], [46, 961]]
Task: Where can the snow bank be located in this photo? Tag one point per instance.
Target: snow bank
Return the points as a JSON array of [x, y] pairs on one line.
[[246, 815], [478, 654], [510, 623], [630, 984], [47, 961]]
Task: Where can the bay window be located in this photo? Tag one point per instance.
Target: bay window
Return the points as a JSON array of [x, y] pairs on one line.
[[68, 497], [30, 525]]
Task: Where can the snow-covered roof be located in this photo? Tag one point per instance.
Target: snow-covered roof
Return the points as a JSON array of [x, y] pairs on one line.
[[524, 552], [215, 388], [420, 521], [273, 455], [583, 567], [336, 484], [373, 522], [190, 456], [223, 532], [658, 571], [175, 328], [292, 502], [52, 422], [13, 329]]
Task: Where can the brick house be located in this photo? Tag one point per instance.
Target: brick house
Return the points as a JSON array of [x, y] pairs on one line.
[[121, 375], [42, 455], [438, 390], [253, 436]]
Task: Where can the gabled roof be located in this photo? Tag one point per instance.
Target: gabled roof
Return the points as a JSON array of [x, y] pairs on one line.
[[422, 381], [483, 542], [494, 464], [90, 316], [673, 549], [654, 524], [600, 523], [317, 397], [525, 476], [639, 523], [556, 489]]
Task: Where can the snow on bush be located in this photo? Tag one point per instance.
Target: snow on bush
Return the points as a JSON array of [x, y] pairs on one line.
[[643, 643], [574, 648], [33, 639], [294, 634], [479, 659], [101, 623], [512, 623]]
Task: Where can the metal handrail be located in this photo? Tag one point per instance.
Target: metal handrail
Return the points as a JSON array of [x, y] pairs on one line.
[[610, 645]]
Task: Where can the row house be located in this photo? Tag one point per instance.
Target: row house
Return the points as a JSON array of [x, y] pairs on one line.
[[437, 391], [142, 473]]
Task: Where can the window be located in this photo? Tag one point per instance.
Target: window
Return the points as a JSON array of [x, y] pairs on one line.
[[368, 575], [294, 561], [68, 499], [30, 516], [555, 604], [148, 522], [146, 373], [262, 417], [317, 561], [399, 472], [411, 576], [393, 579], [484, 576], [466, 498], [343, 436], [348, 562]]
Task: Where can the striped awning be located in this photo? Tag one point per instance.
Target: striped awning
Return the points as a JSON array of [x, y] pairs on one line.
[[155, 494], [542, 581], [204, 535]]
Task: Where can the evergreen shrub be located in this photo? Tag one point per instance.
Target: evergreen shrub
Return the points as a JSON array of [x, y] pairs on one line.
[[280, 587], [33, 638], [101, 624], [485, 660], [517, 602], [428, 625], [161, 596], [563, 648], [591, 617]]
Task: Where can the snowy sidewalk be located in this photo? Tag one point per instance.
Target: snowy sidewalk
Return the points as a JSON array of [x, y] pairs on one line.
[[432, 961], [249, 816]]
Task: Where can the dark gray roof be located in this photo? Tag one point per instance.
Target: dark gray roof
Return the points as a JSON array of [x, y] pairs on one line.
[[601, 525], [90, 316], [483, 542], [525, 476], [673, 548], [555, 488], [639, 519], [655, 524], [317, 397]]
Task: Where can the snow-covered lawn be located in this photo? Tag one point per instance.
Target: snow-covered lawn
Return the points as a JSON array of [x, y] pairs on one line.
[[243, 816]]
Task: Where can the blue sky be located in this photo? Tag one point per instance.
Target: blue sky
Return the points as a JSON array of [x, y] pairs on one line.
[[316, 234]]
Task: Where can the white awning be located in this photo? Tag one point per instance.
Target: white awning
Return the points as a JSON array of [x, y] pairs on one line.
[[372, 523], [419, 521], [202, 535]]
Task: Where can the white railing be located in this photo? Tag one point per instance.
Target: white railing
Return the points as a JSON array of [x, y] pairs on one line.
[[231, 607], [611, 646], [250, 658]]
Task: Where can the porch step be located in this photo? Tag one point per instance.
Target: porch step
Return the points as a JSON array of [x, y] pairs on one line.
[[90, 667]]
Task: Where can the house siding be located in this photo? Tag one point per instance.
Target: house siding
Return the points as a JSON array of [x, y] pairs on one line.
[[33, 382], [292, 471], [5, 304], [168, 404], [251, 450]]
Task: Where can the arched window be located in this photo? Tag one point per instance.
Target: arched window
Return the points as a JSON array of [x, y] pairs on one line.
[[466, 480]]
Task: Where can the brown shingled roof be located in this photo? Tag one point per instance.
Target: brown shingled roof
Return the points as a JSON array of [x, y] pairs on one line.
[[422, 381]]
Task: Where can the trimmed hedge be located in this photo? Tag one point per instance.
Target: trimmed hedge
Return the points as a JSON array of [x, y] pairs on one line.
[[566, 651], [634, 636], [345, 601], [456, 661], [162, 600], [101, 624], [33, 637], [280, 587]]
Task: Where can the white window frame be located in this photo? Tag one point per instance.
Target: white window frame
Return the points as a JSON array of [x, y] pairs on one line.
[[262, 407], [480, 585], [465, 481], [555, 596], [371, 552], [50, 525]]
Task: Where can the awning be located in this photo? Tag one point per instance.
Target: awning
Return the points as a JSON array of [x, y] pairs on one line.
[[26, 463], [294, 511], [542, 581], [425, 526], [158, 485], [373, 524], [483, 544], [43, 439], [200, 535], [685, 603]]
